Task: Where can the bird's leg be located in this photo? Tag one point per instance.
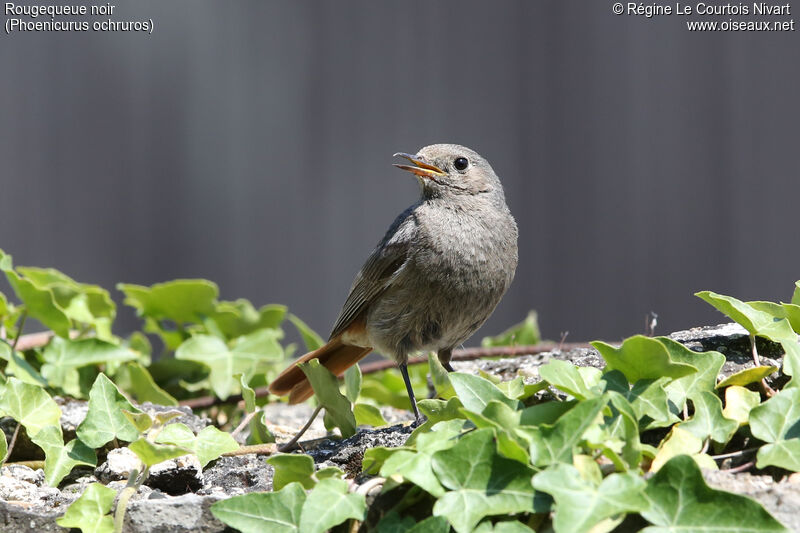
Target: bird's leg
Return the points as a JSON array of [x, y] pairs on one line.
[[404, 371], [444, 358]]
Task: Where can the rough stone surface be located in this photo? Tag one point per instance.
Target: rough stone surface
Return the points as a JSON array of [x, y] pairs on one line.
[[27, 505], [780, 498]]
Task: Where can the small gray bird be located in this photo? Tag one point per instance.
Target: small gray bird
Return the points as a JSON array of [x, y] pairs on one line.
[[434, 278]]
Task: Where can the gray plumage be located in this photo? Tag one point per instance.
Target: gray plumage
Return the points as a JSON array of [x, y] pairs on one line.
[[442, 267]]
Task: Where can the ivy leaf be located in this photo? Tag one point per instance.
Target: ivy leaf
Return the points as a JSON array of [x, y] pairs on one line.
[[89, 512], [416, 466], [747, 376], [259, 434], [678, 442], [759, 322], [310, 337], [81, 302], [708, 421], [623, 424], [648, 398], [368, 415], [681, 501], [60, 459], [223, 363], [326, 389], [40, 302], [238, 318], [481, 482], [3, 448], [105, 421], [352, 383], [290, 468], [29, 405], [180, 300], [567, 377], [134, 379], [777, 422], [18, 367], [476, 392], [642, 357], [551, 444], [151, 454], [440, 377], [141, 421], [739, 401], [580, 505], [63, 356], [708, 366], [276, 512], [207, 445], [330, 504], [524, 333]]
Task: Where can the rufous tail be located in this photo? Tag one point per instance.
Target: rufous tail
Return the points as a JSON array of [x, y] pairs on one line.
[[335, 356]]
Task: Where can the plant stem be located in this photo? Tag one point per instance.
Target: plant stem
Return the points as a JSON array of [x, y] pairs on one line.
[[289, 446], [733, 454], [22, 320], [11, 444], [243, 424]]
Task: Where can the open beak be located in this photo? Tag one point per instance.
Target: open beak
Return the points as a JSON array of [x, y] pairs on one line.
[[420, 168]]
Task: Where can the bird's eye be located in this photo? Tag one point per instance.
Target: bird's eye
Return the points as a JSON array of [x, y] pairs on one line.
[[461, 163]]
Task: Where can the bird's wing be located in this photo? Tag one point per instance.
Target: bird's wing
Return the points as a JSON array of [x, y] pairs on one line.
[[381, 266]]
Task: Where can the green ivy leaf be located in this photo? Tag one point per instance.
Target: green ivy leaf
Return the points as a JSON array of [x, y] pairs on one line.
[[276, 512], [89, 512], [330, 504], [259, 434], [29, 405], [180, 300], [481, 482], [759, 322], [416, 466], [440, 377], [524, 333], [141, 421], [747, 376], [777, 422], [368, 415], [648, 398], [475, 392], [105, 420], [623, 424], [551, 444], [567, 377], [352, 383], [326, 389], [3, 448], [678, 442], [581, 505], [310, 337], [39, 301], [642, 357], [739, 401], [134, 379], [151, 454], [244, 357], [681, 501], [238, 318], [708, 366], [19, 367], [290, 468], [60, 459], [708, 421], [64, 356], [207, 445]]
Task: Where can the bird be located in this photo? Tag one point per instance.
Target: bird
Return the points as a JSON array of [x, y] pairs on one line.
[[434, 278]]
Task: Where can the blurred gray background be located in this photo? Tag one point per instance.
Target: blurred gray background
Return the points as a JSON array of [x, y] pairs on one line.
[[250, 143]]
